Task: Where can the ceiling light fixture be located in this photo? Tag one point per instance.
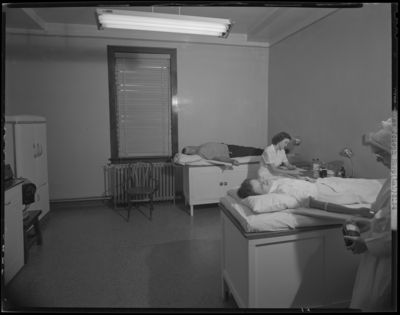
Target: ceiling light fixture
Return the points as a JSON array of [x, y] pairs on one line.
[[133, 20]]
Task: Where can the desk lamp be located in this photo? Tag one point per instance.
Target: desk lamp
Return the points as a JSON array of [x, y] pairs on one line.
[[346, 152]]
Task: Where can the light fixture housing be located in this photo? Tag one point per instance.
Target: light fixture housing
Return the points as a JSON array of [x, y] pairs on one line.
[[158, 22], [296, 141]]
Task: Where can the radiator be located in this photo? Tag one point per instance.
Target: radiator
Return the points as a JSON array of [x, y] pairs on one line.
[[116, 182]]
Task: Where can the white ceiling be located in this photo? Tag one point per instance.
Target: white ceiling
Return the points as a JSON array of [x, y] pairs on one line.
[[263, 25]]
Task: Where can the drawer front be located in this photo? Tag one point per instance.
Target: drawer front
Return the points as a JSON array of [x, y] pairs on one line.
[[13, 197]]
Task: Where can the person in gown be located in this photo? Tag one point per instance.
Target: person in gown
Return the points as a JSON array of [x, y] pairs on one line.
[[373, 286]]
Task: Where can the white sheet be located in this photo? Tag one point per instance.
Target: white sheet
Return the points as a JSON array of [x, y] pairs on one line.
[[288, 219], [184, 160]]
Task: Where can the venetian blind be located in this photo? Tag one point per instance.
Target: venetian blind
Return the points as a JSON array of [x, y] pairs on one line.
[[143, 99]]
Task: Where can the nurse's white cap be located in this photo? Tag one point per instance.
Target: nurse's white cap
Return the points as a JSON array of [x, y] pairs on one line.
[[382, 138]]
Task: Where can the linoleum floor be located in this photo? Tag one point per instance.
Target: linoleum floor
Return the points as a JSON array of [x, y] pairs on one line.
[[91, 257]]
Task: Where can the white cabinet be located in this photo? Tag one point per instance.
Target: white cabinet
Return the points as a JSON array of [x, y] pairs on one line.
[[207, 184], [26, 152], [13, 234]]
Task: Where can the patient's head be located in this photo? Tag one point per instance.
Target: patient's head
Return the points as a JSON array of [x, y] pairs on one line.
[[189, 150], [254, 187]]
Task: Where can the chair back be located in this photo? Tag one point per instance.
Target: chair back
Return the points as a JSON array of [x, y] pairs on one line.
[[141, 174]]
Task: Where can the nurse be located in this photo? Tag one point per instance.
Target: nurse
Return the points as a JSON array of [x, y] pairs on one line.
[[274, 155], [373, 286]]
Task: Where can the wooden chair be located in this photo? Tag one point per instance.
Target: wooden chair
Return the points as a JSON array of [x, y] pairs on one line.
[[31, 220], [142, 185]]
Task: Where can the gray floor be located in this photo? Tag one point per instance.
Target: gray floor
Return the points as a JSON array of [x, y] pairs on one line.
[[92, 257]]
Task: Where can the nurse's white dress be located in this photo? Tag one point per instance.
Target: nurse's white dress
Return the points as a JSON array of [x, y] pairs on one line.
[[270, 156], [372, 289]]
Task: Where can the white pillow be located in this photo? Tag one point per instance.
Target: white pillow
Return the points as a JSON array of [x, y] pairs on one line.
[[184, 158], [266, 203]]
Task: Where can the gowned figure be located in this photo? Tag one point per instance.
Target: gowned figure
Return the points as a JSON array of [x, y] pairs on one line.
[[274, 156], [373, 287], [222, 152]]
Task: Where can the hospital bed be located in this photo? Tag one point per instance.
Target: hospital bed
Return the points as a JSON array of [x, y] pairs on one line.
[[293, 258], [206, 181]]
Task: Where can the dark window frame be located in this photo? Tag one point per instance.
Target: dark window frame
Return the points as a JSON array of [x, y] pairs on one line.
[[111, 50]]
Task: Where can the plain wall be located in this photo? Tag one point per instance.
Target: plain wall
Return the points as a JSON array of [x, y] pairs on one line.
[[331, 83], [222, 97]]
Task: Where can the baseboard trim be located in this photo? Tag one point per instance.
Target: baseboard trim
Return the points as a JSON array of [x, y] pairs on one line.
[[80, 199]]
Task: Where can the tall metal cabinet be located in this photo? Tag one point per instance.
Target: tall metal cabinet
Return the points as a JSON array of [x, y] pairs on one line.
[[26, 152]]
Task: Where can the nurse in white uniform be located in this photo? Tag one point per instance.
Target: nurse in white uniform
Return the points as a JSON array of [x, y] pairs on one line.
[[274, 155], [373, 286]]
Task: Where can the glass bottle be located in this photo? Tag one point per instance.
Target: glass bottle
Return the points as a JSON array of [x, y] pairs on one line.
[[351, 229], [322, 170], [343, 172], [316, 165]]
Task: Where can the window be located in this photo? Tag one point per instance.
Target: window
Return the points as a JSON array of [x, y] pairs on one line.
[[143, 120]]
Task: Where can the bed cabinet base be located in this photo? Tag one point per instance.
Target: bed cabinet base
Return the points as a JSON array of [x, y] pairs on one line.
[[207, 184], [309, 269]]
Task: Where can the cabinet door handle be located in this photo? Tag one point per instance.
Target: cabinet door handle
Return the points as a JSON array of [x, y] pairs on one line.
[[41, 150], [221, 184], [226, 183], [8, 203], [35, 154]]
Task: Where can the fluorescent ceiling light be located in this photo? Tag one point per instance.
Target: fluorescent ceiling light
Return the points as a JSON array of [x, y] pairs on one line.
[[158, 22]]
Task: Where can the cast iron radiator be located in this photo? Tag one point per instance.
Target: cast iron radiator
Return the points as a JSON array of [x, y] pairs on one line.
[[116, 182]]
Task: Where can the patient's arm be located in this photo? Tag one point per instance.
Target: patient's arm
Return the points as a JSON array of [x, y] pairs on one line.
[[226, 160], [308, 179], [331, 207]]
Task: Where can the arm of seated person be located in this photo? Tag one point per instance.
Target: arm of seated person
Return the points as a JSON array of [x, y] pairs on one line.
[[289, 166], [288, 173], [331, 207], [226, 160]]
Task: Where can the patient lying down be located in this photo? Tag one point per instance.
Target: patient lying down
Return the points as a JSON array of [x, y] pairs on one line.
[[320, 193]]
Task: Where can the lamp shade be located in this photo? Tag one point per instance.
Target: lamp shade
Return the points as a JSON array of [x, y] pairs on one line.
[[296, 141], [346, 152]]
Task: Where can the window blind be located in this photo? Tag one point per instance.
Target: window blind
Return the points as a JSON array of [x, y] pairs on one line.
[[143, 99]]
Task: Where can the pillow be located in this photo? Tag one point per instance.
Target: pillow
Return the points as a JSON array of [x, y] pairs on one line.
[[266, 203], [184, 158]]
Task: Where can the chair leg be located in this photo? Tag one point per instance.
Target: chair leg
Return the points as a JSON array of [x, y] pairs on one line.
[[38, 232], [151, 206], [25, 248], [129, 208]]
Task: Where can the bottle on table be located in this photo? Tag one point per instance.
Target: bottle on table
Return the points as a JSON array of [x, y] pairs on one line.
[[342, 172], [316, 164], [322, 170]]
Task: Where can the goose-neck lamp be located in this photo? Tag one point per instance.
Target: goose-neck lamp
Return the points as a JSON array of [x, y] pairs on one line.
[[296, 141], [346, 152], [158, 22]]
